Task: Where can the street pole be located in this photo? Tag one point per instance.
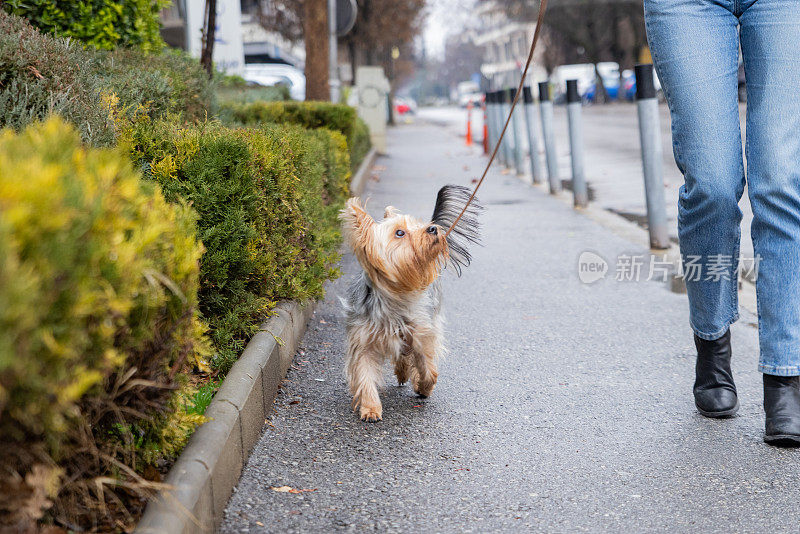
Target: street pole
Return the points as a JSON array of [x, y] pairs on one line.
[[537, 171], [333, 50], [579, 191], [546, 112], [652, 162]]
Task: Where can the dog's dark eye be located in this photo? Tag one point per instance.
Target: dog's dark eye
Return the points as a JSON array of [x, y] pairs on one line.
[[433, 230], [399, 233]]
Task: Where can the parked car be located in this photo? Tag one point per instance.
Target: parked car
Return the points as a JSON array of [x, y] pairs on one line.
[[584, 73], [404, 106], [629, 84], [467, 93], [270, 74], [609, 73]]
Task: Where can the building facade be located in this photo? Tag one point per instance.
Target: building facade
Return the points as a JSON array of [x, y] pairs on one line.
[[505, 44]]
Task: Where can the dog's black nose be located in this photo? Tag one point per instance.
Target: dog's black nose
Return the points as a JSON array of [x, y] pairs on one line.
[[433, 230]]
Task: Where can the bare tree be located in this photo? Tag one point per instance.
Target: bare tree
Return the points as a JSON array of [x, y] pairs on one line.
[[381, 26], [209, 31], [588, 31], [315, 35]]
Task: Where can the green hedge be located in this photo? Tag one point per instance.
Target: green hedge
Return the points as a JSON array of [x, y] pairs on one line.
[[41, 74], [338, 117], [105, 24], [267, 199], [99, 279]]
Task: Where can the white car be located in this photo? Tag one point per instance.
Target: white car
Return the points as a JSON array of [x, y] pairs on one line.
[[269, 74]]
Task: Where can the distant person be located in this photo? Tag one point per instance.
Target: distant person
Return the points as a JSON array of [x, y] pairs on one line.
[[695, 48]]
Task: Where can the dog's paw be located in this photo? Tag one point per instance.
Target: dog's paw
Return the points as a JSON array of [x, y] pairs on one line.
[[424, 389], [371, 415]]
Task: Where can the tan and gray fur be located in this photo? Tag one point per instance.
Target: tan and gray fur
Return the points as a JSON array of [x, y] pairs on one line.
[[393, 306]]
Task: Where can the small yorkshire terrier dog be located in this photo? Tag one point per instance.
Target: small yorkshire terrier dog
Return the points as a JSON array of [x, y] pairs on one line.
[[394, 305]]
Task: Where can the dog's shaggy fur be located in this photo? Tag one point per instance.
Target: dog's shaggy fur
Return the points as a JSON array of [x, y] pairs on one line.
[[394, 305]]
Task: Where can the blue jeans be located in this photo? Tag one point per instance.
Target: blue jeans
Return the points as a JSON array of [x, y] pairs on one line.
[[695, 49]]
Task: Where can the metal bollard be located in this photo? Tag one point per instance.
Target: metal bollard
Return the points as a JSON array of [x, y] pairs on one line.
[[491, 115], [537, 170], [652, 162], [546, 110], [579, 192], [516, 126], [508, 139]]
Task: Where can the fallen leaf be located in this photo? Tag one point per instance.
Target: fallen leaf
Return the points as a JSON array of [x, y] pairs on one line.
[[289, 489]]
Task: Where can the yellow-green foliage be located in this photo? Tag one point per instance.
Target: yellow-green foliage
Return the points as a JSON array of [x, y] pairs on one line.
[[267, 200], [98, 304], [336, 117], [98, 23]]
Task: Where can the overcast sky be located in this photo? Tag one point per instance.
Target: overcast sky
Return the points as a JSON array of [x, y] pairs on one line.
[[444, 17]]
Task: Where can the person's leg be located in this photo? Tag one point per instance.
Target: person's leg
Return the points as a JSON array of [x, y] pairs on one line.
[[695, 49], [770, 35]]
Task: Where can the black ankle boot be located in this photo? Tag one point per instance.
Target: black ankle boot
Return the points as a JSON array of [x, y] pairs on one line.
[[782, 406], [714, 391]]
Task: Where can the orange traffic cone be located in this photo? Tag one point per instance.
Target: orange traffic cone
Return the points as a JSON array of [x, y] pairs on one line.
[[485, 128], [469, 124]]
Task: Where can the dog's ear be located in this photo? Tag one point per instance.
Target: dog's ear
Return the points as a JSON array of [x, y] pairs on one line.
[[356, 224], [449, 203], [390, 211]]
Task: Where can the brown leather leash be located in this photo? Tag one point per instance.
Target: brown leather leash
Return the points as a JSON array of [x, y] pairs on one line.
[[539, 20]]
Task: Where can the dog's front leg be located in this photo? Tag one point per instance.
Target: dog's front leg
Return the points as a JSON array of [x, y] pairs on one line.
[[426, 351], [364, 377]]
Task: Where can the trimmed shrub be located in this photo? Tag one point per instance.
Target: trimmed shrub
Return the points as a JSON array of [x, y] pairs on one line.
[[311, 115], [337, 117], [104, 24], [168, 83], [267, 200], [41, 74], [98, 318]]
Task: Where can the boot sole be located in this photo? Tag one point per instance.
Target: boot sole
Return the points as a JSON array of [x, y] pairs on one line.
[[719, 415], [783, 440]]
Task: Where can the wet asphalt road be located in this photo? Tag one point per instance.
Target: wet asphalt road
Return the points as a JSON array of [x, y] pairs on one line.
[[560, 407]]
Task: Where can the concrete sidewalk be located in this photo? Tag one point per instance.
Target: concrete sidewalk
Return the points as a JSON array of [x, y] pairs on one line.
[[562, 406]]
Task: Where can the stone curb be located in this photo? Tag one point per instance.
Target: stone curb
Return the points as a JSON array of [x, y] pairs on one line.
[[203, 477], [208, 469], [359, 179]]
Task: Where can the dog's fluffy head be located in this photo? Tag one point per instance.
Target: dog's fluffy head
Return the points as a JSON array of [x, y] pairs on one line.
[[404, 254]]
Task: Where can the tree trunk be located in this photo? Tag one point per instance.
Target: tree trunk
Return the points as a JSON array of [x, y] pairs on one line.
[[315, 34], [351, 49], [209, 30]]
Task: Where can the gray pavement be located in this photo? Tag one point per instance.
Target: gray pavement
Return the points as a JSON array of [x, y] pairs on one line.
[[560, 407]]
